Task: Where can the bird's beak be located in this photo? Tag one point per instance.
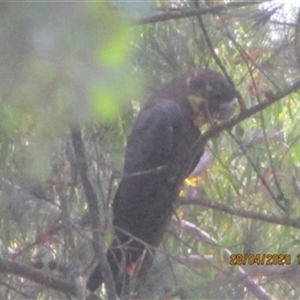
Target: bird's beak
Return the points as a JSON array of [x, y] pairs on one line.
[[200, 120], [226, 110]]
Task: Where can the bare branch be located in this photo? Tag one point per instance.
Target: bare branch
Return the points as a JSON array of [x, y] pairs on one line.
[[194, 231], [187, 13], [92, 202], [241, 212], [216, 57], [56, 283], [276, 199]]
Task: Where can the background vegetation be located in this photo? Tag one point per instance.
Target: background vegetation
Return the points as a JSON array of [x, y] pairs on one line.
[[90, 67]]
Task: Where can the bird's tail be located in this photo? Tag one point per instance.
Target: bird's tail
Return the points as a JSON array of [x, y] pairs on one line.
[[96, 278], [124, 262]]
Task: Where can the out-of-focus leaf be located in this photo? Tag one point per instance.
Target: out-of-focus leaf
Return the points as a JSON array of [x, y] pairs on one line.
[[106, 103], [116, 49]]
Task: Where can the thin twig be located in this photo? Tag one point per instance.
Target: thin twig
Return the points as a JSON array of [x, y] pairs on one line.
[[273, 219], [155, 170], [217, 59], [70, 244], [196, 232], [255, 168], [280, 196], [187, 13], [92, 202], [56, 283], [243, 115]]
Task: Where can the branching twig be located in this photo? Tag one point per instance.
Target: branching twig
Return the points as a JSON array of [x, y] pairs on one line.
[[273, 219], [243, 115], [255, 168], [280, 196], [259, 292], [91, 198], [70, 244], [187, 13], [216, 57], [57, 283]]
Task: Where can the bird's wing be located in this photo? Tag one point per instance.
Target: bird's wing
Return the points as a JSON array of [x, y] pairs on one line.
[[153, 137], [150, 146]]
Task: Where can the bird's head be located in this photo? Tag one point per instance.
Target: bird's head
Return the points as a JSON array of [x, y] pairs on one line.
[[211, 95]]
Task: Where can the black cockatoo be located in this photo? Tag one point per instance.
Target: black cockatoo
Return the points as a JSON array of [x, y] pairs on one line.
[[155, 166]]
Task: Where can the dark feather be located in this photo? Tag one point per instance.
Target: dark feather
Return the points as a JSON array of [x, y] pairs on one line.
[[155, 167]]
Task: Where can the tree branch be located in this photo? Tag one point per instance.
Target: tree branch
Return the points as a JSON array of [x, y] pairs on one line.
[[216, 57], [197, 233], [56, 283], [276, 199], [241, 212], [92, 202], [187, 13], [243, 115]]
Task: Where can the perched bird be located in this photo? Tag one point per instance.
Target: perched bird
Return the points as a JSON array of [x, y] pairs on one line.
[[156, 163]]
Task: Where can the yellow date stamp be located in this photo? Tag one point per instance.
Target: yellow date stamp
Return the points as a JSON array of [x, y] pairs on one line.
[[260, 259]]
